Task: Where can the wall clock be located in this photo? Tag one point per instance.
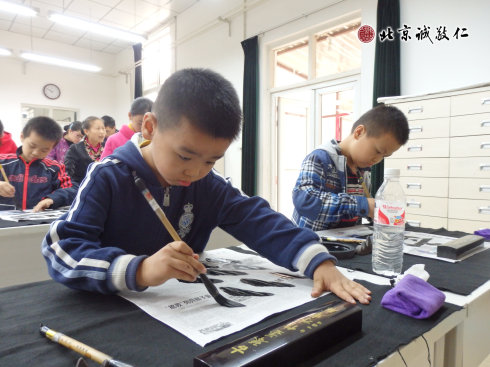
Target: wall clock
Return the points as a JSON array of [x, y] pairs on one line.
[[51, 91]]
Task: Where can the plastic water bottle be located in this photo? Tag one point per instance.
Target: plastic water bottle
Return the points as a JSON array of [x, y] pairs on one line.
[[389, 225]]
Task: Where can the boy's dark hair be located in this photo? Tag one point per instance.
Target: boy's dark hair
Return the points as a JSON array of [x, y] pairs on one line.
[[140, 106], [45, 127], [205, 98], [384, 119], [87, 123], [74, 126], [109, 121]]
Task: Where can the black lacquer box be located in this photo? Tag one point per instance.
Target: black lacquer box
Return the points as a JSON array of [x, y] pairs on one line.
[[291, 341]]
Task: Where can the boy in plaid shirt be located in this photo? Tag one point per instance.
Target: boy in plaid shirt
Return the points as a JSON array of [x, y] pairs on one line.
[[328, 192]]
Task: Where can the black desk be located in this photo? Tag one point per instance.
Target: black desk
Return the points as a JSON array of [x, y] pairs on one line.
[[119, 328]]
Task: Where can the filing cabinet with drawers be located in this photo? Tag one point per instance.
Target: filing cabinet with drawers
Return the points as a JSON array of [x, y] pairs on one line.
[[445, 165]]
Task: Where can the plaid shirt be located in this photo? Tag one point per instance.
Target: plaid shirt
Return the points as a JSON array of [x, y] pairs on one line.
[[319, 196]]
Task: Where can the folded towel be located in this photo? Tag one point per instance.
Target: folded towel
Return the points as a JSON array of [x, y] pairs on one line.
[[413, 297], [484, 233]]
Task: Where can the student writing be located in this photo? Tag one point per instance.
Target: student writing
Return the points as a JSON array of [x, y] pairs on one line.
[[328, 192], [111, 240], [36, 182]]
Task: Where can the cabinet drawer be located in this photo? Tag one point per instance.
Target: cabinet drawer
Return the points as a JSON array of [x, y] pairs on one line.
[[428, 148], [426, 205], [468, 226], [469, 209], [470, 146], [469, 188], [426, 221], [424, 186], [429, 128], [425, 108], [470, 103], [421, 167], [478, 167], [470, 125]]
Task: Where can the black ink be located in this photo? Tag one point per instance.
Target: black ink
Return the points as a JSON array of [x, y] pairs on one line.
[[264, 283], [244, 292]]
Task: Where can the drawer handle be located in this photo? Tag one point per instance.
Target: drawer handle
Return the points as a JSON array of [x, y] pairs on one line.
[[421, 109], [414, 204], [485, 124], [415, 148], [484, 210], [414, 223], [485, 146], [415, 167], [414, 186], [484, 167], [485, 101], [418, 129], [485, 188]]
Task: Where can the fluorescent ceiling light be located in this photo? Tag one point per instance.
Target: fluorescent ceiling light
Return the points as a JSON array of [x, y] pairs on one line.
[[5, 52], [17, 9], [96, 28], [60, 62]]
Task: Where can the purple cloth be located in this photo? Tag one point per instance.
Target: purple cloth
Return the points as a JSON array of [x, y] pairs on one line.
[[484, 233], [413, 297]]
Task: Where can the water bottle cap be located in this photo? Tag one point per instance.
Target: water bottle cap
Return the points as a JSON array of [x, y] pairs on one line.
[[392, 172]]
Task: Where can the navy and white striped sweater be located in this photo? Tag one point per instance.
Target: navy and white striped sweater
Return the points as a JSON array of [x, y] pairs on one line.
[[111, 228]]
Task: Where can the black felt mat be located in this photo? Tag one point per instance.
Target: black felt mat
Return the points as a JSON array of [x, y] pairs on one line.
[[461, 278], [119, 328]]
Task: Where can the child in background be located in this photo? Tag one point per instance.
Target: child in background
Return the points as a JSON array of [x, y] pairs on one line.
[[7, 145], [89, 150], [73, 134], [110, 127], [139, 107], [111, 240], [329, 192], [35, 181]]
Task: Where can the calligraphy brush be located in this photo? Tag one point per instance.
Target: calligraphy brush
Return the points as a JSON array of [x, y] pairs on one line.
[[163, 218]]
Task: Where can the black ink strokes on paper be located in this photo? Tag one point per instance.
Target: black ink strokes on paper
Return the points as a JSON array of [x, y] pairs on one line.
[[264, 283], [244, 292], [224, 272]]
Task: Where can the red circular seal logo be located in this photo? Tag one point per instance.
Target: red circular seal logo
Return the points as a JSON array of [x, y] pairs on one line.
[[365, 34]]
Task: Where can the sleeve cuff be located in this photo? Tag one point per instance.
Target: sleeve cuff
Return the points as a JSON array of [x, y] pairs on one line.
[[122, 273], [309, 257], [362, 206]]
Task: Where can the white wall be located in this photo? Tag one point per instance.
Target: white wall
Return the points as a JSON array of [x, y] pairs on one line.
[[22, 82], [449, 64]]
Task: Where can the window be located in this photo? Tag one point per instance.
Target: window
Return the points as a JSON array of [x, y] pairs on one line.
[[315, 82], [338, 50], [335, 51], [291, 64], [157, 60]]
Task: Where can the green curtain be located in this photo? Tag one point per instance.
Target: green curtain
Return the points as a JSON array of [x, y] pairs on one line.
[[138, 79], [250, 115], [386, 68]]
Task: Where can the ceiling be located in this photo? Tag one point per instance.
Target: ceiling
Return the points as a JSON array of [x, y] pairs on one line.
[[138, 16]]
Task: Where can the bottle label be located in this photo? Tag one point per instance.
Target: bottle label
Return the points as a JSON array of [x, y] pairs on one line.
[[391, 214]]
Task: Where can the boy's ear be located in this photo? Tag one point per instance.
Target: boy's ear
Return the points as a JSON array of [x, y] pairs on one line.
[[21, 137], [359, 131], [149, 126]]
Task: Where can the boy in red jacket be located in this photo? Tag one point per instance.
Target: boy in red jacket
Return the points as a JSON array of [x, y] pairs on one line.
[[35, 181]]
